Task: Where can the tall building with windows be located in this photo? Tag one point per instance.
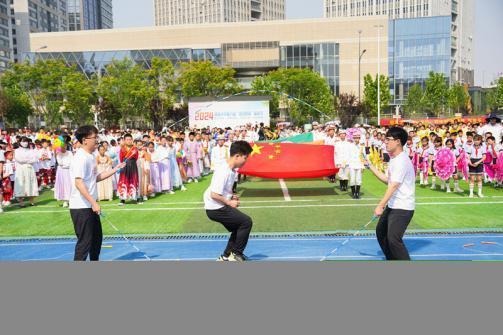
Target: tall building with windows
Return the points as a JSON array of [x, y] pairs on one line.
[[174, 12], [90, 14], [5, 34], [31, 16], [461, 26]]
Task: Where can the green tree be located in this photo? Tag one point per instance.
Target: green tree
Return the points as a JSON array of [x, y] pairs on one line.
[[415, 102], [50, 86], [78, 98], [198, 79], [125, 90], [303, 84], [436, 92], [161, 79], [370, 93], [457, 97], [350, 109], [495, 97], [15, 107]]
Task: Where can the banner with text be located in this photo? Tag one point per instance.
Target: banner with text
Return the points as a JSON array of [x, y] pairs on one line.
[[228, 113]]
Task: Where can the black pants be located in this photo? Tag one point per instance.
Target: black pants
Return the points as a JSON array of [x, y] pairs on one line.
[[237, 223], [390, 230], [87, 226]]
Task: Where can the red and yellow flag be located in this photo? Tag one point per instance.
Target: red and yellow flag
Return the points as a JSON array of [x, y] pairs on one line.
[[290, 161]]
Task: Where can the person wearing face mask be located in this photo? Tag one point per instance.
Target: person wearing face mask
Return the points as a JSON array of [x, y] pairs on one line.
[[25, 183]]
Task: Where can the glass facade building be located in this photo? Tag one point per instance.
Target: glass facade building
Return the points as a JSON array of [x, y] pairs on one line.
[[322, 58], [90, 14], [417, 47], [95, 62]]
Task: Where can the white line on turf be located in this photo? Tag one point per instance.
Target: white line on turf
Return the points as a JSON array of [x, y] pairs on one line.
[[104, 204], [463, 203], [284, 189]]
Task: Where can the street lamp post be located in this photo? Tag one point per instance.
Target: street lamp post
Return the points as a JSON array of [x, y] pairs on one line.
[[360, 55], [379, 73]]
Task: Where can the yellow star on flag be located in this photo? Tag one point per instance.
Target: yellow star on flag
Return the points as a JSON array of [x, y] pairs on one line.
[[271, 156], [256, 150]]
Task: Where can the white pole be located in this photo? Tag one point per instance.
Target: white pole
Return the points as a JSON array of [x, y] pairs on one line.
[[378, 75]]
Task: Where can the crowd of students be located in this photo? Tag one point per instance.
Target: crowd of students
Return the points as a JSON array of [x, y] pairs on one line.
[[165, 162]]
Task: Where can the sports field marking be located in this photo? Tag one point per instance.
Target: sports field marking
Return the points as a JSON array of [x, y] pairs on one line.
[[148, 203], [262, 207], [284, 189], [308, 258], [330, 239]]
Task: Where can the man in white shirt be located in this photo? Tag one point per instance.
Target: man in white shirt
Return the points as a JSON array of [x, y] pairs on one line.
[[221, 203], [397, 207], [84, 209]]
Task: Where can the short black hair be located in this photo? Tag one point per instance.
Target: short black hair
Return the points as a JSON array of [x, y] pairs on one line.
[[451, 142], [170, 139], [438, 140], [491, 138], [192, 133], [398, 134], [128, 135], [242, 148], [84, 132]]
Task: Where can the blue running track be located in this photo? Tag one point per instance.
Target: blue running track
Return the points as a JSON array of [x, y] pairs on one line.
[[464, 247]]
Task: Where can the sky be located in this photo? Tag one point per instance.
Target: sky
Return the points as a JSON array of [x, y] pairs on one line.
[[488, 28]]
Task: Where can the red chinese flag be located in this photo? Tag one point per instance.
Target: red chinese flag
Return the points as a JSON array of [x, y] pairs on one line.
[[290, 161]]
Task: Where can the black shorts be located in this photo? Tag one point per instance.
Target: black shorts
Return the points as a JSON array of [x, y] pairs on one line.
[[476, 170], [386, 158], [367, 150]]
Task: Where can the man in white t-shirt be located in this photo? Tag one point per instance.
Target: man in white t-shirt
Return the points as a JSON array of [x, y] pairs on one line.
[[397, 207], [84, 209], [221, 203]]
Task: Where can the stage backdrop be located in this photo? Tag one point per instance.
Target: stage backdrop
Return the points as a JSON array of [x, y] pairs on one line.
[[232, 112]]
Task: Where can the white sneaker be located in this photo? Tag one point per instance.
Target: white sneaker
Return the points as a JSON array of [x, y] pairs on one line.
[[189, 181], [458, 190], [449, 190], [65, 204], [183, 188], [7, 204], [121, 204], [196, 181], [145, 198], [471, 195], [171, 192], [1, 210], [433, 187], [481, 195], [152, 195]]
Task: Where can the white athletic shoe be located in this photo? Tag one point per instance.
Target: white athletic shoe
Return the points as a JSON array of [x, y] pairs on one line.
[[145, 198], [121, 204], [189, 181], [171, 192], [196, 181], [458, 190], [471, 195], [7, 204], [481, 195], [1, 210], [433, 187], [183, 188], [65, 204], [449, 190]]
